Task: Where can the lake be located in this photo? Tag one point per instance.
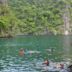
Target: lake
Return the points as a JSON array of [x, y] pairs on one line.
[[55, 48]]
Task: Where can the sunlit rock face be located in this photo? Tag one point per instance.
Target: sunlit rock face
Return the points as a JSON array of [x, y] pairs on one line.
[[66, 32]]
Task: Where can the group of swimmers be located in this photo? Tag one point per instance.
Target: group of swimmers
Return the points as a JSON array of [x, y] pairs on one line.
[[46, 62]]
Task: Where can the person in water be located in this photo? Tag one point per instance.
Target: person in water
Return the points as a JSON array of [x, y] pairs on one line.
[[21, 52], [62, 66], [70, 68], [46, 62]]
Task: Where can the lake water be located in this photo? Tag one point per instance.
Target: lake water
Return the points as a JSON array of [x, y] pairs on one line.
[[54, 48]]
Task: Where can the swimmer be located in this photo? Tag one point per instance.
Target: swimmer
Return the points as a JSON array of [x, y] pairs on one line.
[[62, 66], [21, 52], [70, 68], [46, 62]]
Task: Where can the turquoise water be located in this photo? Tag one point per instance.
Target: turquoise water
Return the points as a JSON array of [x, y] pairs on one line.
[[49, 47]]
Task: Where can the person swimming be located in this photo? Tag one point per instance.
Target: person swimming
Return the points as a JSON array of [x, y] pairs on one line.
[[70, 68], [46, 62], [21, 52]]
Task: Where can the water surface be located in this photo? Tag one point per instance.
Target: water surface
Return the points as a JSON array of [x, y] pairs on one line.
[[49, 47]]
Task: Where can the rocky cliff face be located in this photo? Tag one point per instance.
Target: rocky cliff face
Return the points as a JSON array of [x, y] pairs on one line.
[[3, 1]]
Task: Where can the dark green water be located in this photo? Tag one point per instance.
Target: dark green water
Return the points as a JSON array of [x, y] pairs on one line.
[[50, 47]]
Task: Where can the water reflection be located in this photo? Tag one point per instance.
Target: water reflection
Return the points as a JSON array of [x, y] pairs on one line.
[[67, 47]]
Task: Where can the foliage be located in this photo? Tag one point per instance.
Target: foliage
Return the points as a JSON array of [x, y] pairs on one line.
[[33, 16]]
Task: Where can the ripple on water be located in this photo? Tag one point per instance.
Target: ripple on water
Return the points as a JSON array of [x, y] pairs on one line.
[[21, 64]]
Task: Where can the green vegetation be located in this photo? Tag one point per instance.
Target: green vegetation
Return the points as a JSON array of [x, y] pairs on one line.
[[32, 16]]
